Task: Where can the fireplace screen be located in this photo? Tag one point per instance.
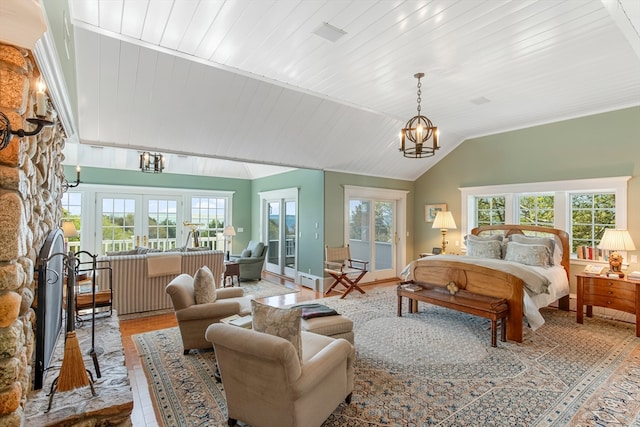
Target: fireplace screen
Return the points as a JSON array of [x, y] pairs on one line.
[[51, 265]]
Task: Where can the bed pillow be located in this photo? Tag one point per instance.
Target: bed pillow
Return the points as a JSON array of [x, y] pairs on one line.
[[528, 254], [531, 240], [484, 248], [497, 237], [204, 286], [281, 322]]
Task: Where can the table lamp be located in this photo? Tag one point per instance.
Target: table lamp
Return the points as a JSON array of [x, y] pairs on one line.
[[616, 240], [228, 232], [68, 230], [444, 220]]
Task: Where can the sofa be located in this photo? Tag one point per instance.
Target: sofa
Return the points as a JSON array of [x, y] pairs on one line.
[[139, 281], [251, 260]]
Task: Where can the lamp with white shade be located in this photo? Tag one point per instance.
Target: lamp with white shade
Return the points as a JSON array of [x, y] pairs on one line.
[[229, 231], [68, 230], [444, 221], [616, 240]]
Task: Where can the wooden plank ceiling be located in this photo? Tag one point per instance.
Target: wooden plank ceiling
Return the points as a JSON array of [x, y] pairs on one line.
[[252, 81]]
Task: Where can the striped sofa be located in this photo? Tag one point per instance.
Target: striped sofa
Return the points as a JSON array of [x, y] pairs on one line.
[[134, 291]]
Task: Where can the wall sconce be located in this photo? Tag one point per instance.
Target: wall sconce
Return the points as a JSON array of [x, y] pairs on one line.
[[6, 131], [151, 162], [65, 184]]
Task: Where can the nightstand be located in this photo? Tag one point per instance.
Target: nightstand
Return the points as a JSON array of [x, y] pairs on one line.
[[619, 294]]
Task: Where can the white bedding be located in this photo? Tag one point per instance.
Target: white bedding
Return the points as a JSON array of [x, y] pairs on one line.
[[558, 288]]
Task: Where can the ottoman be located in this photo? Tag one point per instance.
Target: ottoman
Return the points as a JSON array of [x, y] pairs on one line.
[[331, 326]]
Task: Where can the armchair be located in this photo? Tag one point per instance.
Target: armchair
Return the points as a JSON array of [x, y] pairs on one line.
[[251, 260], [266, 384], [193, 319]]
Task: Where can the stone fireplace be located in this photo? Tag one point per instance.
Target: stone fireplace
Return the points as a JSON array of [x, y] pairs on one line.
[[31, 176]]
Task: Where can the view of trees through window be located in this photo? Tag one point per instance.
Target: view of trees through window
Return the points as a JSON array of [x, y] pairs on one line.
[[490, 210], [72, 211], [591, 214], [360, 220], [537, 210]]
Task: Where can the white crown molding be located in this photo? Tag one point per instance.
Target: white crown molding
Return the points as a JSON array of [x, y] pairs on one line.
[[46, 57]]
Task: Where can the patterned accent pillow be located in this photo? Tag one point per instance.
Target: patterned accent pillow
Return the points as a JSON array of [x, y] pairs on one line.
[[204, 286], [484, 248], [536, 255], [531, 240], [281, 322]]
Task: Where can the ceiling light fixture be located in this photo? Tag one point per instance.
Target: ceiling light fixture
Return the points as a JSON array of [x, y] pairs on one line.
[[152, 163], [6, 131], [419, 131]]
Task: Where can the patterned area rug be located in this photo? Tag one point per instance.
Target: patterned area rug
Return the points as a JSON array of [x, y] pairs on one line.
[[437, 367]]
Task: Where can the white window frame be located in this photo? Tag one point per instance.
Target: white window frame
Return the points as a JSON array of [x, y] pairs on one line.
[[562, 191], [89, 200]]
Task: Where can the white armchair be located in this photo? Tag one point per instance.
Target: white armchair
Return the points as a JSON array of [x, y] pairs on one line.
[[266, 384]]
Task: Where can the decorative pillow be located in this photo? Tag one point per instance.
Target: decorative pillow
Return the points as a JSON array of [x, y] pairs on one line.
[[204, 286], [536, 255], [484, 249], [257, 250], [497, 237], [531, 240], [281, 322], [245, 253]]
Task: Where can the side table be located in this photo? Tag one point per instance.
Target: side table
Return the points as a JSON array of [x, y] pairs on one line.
[[231, 269], [602, 291]]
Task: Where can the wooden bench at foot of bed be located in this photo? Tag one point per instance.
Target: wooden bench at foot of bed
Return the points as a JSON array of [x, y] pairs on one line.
[[488, 307]]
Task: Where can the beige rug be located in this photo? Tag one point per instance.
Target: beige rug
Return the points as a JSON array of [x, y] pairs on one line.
[[437, 367]]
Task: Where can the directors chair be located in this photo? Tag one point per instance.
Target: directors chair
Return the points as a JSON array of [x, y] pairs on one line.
[[339, 265]]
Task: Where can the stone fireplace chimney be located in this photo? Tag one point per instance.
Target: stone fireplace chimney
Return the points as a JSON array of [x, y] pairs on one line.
[[31, 174]]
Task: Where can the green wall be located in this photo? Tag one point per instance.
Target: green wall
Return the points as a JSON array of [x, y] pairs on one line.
[[602, 145]]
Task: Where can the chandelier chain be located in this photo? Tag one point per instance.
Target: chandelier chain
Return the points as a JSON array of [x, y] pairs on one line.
[[419, 95]]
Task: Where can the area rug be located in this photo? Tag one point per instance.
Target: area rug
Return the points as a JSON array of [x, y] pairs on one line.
[[437, 367]]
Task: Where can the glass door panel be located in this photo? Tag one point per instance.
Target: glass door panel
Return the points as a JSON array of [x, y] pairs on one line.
[[377, 247], [162, 220], [120, 228], [290, 231], [273, 236]]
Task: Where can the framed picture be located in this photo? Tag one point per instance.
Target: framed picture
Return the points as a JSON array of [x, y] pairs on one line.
[[430, 211], [436, 251]]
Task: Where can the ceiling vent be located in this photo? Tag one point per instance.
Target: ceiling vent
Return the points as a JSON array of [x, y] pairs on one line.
[[329, 32]]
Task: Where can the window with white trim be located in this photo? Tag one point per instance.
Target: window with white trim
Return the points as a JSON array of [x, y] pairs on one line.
[[583, 208]]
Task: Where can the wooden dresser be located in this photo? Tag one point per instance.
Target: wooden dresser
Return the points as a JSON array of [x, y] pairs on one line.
[[619, 294]]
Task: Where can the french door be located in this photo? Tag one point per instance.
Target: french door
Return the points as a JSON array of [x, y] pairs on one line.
[[374, 226], [279, 219], [127, 221]]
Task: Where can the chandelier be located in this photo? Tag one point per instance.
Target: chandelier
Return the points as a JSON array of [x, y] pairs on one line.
[[151, 162], [419, 137]]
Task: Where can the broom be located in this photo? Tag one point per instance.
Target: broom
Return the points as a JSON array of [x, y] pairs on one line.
[[73, 373]]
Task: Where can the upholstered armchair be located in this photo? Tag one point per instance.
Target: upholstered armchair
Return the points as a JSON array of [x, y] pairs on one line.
[[193, 319], [267, 385], [251, 260]]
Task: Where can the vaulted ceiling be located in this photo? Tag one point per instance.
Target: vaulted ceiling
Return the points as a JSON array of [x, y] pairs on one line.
[[253, 81]]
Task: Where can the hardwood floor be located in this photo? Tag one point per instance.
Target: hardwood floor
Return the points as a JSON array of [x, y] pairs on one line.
[[143, 410]]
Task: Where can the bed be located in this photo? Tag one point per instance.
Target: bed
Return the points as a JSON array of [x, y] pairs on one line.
[[529, 268]]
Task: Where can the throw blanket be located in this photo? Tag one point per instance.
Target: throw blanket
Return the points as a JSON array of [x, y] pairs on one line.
[[534, 282], [162, 264]]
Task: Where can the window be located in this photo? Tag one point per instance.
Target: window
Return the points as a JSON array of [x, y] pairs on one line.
[[209, 213], [591, 214], [537, 210], [584, 208], [489, 210]]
